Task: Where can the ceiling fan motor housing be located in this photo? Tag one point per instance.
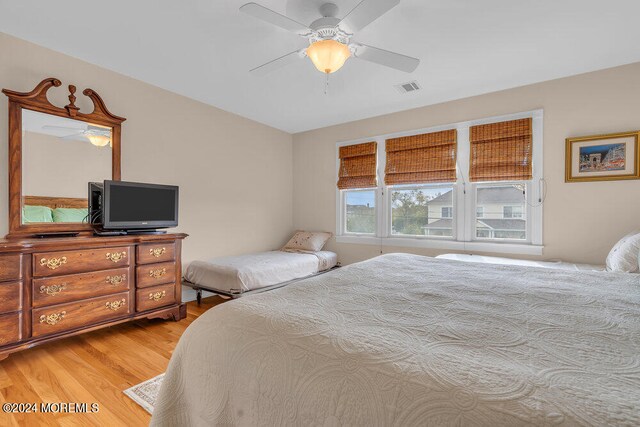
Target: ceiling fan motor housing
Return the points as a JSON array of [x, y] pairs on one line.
[[326, 28], [326, 22]]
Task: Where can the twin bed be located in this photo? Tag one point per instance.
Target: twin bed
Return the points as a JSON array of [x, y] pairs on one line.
[[408, 340], [235, 276]]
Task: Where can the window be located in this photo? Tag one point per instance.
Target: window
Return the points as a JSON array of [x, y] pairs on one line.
[[360, 212], [502, 151], [504, 208], [466, 186], [419, 211]]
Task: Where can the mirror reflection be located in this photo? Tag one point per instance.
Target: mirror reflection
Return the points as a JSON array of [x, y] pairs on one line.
[[60, 156]]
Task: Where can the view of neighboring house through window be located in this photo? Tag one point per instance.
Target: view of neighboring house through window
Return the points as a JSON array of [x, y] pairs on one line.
[[361, 211], [512, 211], [479, 211], [422, 211], [503, 212]]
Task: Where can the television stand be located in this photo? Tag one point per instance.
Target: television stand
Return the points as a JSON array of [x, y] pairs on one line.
[[105, 233], [144, 232]]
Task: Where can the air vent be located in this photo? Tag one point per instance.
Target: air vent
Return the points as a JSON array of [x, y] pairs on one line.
[[408, 87]]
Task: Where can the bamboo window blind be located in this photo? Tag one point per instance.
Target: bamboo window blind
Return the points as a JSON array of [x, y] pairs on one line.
[[417, 159], [501, 151], [358, 166]]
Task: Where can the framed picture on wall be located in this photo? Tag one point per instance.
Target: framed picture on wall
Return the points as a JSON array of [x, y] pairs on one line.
[[603, 157]]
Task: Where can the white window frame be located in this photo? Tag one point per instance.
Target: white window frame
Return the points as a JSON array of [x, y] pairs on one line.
[[464, 197]]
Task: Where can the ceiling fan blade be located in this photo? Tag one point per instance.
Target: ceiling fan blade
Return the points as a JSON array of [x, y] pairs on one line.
[[76, 136], [365, 13], [52, 127], [274, 18], [388, 59], [270, 66]]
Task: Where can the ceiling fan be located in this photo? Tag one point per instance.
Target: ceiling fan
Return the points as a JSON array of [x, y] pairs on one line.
[[96, 135], [330, 43]]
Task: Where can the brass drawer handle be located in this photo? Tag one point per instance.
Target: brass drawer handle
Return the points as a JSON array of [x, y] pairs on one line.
[[53, 318], [157, 252], [116, 305], [116, 280], [156, 274], [53, 263], [53, 290], [116, 256], [158, 295]]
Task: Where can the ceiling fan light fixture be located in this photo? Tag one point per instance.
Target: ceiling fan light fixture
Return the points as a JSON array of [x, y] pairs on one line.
[[99, 140], [328, 56]]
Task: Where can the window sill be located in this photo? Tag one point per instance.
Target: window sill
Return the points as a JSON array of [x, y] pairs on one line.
[[408, 242]]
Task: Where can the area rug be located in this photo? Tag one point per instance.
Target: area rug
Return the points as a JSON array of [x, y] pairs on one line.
[[145, 394]]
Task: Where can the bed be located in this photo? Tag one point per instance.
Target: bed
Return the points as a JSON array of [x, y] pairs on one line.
[[235, 276], [408, 340], [558, 265]]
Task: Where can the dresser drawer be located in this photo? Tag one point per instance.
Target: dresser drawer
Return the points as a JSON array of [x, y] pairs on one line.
[[157, 296], [10, 267], [155, 274], [59, 263], [74, 287], [154, 253], [10, 296], [80, 314], [10, 328]]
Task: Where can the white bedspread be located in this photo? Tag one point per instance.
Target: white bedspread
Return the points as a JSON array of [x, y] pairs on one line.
[[408, 340], [559, 265], [244, 273]]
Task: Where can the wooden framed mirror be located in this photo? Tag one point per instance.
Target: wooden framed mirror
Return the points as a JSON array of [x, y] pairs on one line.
[[54, 152]]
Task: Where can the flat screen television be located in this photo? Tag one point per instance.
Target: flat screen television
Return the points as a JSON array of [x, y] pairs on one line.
[[138, 206]]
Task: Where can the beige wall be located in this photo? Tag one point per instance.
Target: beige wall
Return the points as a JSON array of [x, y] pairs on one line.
[[582, 221], [77, 162], [235, 175]]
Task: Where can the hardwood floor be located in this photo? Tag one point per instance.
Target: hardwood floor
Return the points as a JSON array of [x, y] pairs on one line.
[[93, 368]]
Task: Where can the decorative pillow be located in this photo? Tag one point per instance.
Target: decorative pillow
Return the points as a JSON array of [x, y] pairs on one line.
[[625, 255], [70, 214], [32, 213], [309, 241]]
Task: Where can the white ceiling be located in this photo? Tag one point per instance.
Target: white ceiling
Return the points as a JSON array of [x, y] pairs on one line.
[[204, 48]]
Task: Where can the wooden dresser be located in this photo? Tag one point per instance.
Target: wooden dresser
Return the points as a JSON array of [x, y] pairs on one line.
[[54, 288]]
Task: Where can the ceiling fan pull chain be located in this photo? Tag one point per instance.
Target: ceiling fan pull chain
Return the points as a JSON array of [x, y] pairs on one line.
[[326, 85]]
